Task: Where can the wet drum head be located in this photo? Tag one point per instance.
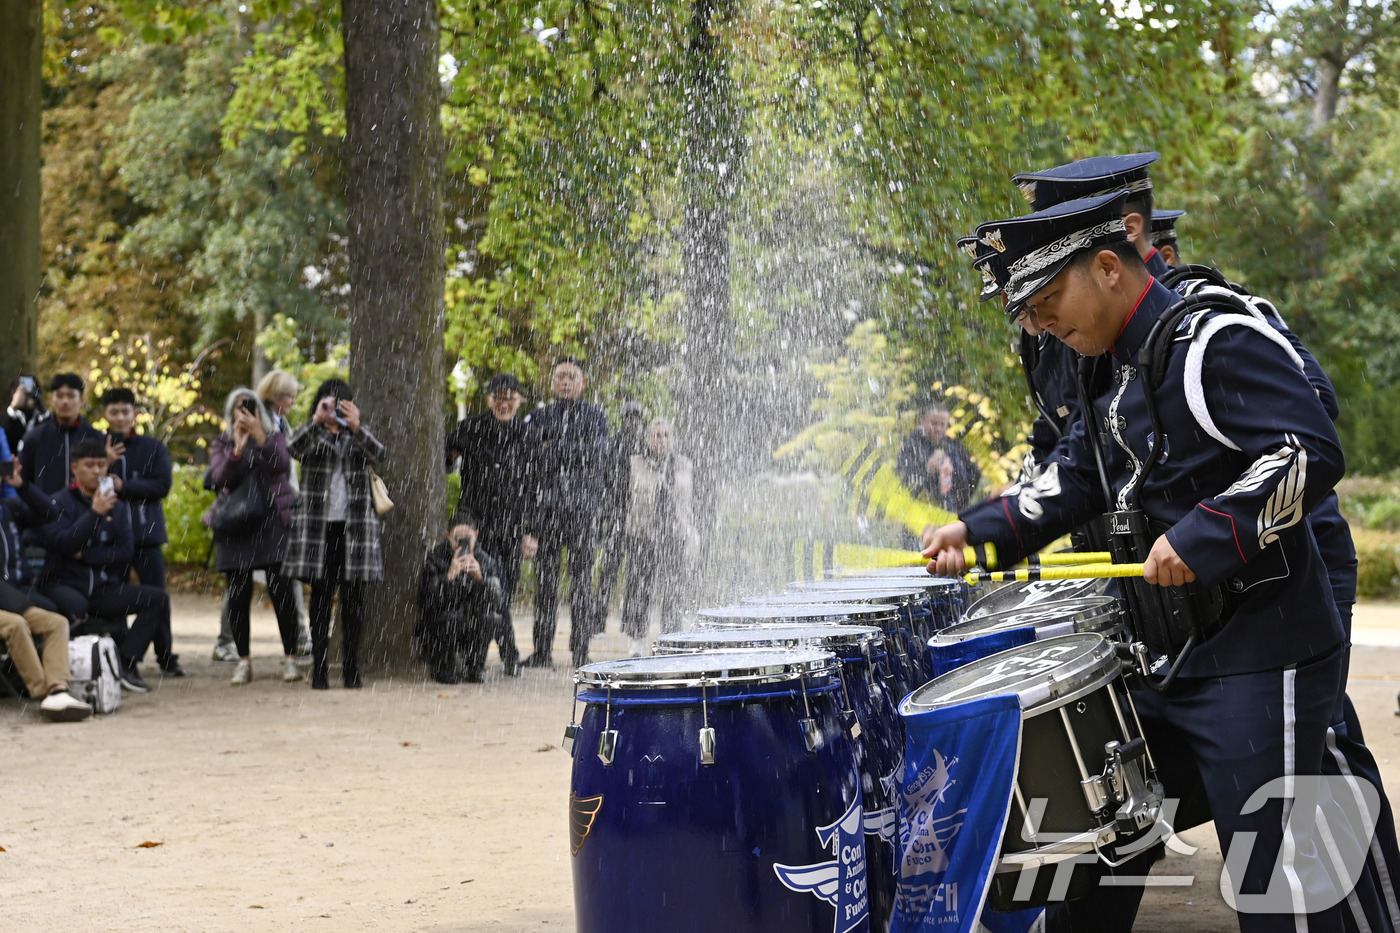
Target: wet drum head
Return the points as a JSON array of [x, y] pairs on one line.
[[1014, 596], [1100, 614], [1041, 674], [826, 637], [881, 615], [725, 667]]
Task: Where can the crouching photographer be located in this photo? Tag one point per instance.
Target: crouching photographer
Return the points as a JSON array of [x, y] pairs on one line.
[[459, 604]]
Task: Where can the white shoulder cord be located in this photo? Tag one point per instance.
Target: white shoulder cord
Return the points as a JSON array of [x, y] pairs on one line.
[[1195, 359]]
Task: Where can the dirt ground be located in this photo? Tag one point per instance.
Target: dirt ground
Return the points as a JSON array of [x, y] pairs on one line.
[[406, 806]]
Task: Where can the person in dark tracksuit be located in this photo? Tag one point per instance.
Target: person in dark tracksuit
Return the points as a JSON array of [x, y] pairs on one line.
[[497, 471], [89, 561], [47, 448], [570, 442], [140, 469], [1247, 451]]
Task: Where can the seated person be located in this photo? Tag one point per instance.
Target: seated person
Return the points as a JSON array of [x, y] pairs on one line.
[[459, 604], [90, 550], [21, 619]]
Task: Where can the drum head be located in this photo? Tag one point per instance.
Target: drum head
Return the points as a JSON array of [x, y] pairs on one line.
[[900, 596], [905, 578], [724, 667], [1015, 596], [1087, 614], [827, 637], [877, 614], [1038, 674]]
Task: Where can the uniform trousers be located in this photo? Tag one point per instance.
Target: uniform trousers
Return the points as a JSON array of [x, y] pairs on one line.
[[574, 532], [1216, 741]]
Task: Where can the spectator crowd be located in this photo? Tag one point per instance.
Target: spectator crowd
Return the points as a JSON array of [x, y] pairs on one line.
[[83, 530]]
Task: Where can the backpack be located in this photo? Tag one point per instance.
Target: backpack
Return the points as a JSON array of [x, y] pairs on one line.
[[92, 664]]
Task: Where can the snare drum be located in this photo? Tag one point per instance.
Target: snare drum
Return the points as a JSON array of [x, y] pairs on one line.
[[904, 675], [716, 791], [1086, 782], [869, 714], [1016, 596], [1102, 615]]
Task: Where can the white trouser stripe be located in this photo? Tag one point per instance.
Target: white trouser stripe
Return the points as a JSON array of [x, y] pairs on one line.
[[1290, 765], [1377, 859]]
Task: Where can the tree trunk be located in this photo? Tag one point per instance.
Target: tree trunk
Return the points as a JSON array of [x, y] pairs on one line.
[[394, 169], [21, 113], [714, 154]]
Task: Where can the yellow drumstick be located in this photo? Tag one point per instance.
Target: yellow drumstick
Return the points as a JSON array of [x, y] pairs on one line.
[[1029, 574]]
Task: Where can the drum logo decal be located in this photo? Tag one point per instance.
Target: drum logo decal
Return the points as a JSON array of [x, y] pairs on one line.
[[1012, 670], [840, 882], [925, 837], [582, 812]]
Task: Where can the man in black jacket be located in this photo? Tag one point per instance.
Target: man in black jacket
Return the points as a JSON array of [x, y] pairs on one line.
[[570, 438], [140, 470], [46, 451], [25, 408], [90, 549], [459, 604], [617, 495], [497, 483]]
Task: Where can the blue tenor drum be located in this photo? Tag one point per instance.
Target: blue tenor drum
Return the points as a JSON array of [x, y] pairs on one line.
[[869, 716], [904, 673], [915, 615], [716, 791]]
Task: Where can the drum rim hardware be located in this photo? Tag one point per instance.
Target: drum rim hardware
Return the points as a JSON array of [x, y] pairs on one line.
[[731, 638], [707, 732], [803, 613], [781, 666], [1107, 608]]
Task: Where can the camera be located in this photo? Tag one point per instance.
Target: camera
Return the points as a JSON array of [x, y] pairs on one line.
[[106, 486], [339, 416]]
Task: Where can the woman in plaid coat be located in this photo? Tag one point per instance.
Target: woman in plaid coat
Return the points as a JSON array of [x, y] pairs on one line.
[[335, 530]]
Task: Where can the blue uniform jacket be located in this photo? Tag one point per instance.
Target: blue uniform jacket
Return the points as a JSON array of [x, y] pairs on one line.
[[87, 550], [45, 452], [1249, 452], [145, 472], [1331, 530], [30, 508]]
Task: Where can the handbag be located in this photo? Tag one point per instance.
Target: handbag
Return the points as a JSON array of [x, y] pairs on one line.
[[379, 493], [243, 510]]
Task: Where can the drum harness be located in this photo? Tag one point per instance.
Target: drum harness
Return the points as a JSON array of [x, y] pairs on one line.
[[1171, 621]]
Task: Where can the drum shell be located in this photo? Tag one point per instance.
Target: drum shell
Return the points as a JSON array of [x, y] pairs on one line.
[[679, 845], [880, 744]]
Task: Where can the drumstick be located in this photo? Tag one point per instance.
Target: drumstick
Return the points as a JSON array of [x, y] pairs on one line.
[[1030, 574]]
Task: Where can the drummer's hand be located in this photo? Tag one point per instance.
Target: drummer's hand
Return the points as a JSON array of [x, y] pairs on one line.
[[1164, 567], [945, 550]]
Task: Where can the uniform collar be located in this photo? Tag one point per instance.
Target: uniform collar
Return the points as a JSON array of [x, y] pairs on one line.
[[1155, 299], [1156, 265]]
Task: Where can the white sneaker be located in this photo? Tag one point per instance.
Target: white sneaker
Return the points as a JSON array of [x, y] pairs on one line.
[[62, 706], [225, 652], [242, 673], [290, 672]]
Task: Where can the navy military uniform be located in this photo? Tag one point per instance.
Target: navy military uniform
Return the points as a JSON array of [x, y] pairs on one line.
[[1249, 450]]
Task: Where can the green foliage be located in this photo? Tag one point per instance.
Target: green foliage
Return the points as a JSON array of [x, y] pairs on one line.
[[278, 342], [167, 393], [191, 540], [1378, 566]]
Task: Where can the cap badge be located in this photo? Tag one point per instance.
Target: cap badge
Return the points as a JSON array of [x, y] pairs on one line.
[[993, 239], [1027, 190]]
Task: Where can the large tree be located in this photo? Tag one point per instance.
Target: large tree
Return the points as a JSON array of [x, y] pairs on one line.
[[21, 48], [393, 157]]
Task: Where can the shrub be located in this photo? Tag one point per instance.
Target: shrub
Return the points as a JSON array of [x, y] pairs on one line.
[[1378, 570], [190, 539]]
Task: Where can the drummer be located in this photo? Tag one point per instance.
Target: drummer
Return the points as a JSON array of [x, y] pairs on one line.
[[1254, 701]]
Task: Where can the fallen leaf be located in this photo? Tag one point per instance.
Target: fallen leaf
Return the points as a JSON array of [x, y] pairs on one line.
[[444, 696], [2, 848], [148, 844], [256, 907], [408, 744], [468, 881], [545, 748]]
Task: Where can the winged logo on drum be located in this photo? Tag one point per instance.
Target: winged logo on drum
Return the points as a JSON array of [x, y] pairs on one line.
[[885, 823], [840, 882], [934, 833], [582, 812]]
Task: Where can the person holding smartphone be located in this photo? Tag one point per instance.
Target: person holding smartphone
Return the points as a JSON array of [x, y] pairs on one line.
[[252, 450], [90, 551], [25, 409], [335, 537], [47, 448], [139, 467], [460, 599]]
